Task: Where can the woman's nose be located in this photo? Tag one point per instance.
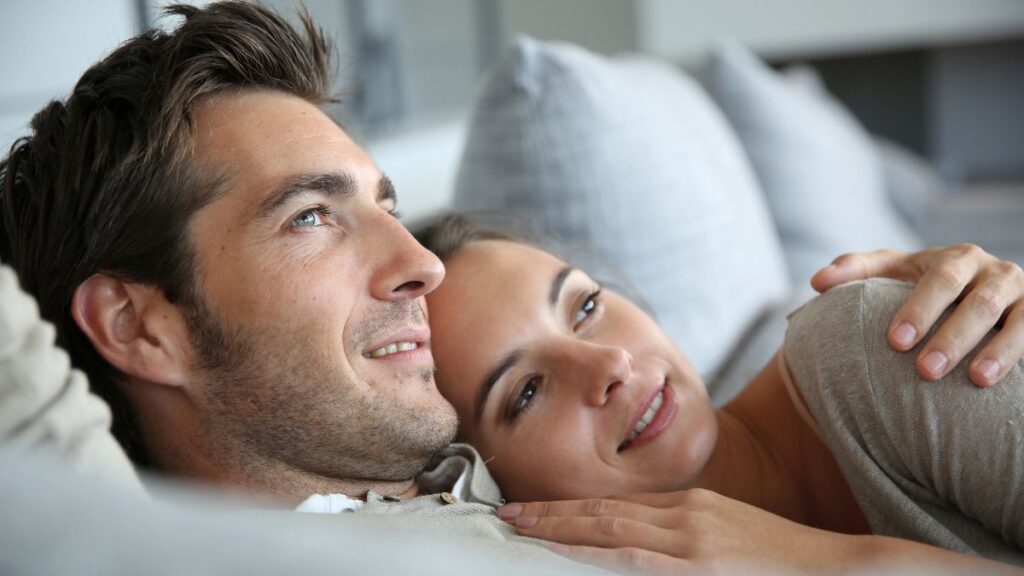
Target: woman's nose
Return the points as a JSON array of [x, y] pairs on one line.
[[598, 370]]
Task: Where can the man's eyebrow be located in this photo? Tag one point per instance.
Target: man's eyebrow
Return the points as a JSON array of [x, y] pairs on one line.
[[338, 184], [492, 379], [557, 283], [385, 189]]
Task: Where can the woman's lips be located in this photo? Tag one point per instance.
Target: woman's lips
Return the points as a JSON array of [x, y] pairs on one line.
[[661, 421]]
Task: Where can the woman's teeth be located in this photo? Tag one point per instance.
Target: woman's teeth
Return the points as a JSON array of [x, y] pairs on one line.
[[642, 424], [393, 348]]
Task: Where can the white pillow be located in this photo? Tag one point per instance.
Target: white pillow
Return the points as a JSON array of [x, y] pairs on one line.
[[816, 164], [632, 158]]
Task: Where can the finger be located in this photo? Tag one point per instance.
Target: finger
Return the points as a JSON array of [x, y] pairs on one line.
[[655, 499], [603, 532], [939, 287], [861, 266], [637, 506], [594, 507], [624, 560], [961, 332], [1002, 352], [691, 499]]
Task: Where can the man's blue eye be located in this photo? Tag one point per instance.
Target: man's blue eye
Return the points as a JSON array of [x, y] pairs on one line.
[[310, 218]]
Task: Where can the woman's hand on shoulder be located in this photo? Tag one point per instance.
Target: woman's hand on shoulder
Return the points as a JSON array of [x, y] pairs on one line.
[[988, 293]]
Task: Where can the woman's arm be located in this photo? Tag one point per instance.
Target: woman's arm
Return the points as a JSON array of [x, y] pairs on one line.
[[989, 293], [935, 462], [698, 531]]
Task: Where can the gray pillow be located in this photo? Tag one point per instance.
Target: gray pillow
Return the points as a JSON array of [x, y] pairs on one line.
[[630, 158], [912, 183], [816, 164]]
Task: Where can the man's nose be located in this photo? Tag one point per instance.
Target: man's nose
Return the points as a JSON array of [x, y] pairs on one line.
[[404, 268], [598, 370]]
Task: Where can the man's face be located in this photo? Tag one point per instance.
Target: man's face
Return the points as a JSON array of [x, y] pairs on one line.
[[312, 346]]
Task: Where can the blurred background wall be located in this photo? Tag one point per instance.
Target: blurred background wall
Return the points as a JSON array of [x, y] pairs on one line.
[[942, 77]]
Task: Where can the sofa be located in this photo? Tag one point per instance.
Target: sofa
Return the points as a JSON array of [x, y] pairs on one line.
[[712, 204]]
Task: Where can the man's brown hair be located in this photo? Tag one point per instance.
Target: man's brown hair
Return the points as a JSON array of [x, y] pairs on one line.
[[106, 181]]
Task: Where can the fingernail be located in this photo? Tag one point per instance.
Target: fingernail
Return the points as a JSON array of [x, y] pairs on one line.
[[526, 521], [904, 334], [935, 362], [989, 369], [510, 511]]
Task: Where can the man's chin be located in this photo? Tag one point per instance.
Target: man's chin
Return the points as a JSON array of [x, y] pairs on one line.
[[446, 425], [424, 447]]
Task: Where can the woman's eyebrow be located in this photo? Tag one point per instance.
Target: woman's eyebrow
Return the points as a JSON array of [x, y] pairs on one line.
[[492, 379], [557, 283], [513, 358]]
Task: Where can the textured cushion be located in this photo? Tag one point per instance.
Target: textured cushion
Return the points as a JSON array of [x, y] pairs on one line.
[[816, 164], [631, 158], [911, 183]]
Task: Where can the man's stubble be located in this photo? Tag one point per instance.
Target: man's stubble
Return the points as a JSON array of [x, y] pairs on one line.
[[277, 395]]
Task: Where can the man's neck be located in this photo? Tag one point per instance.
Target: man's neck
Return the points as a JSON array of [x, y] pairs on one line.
[[280, 482], [291, 486], [178, 448]]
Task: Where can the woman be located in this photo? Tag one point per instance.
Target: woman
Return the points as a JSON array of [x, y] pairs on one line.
[[570, 391]]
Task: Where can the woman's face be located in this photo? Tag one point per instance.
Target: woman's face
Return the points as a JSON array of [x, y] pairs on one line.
[[567, 391]]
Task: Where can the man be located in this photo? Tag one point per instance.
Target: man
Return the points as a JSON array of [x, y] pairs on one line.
[[206, 280], [222, 261]]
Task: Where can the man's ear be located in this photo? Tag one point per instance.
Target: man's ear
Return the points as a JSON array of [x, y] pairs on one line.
[[133, 327]]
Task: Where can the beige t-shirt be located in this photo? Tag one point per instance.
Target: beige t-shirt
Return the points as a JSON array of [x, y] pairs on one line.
[[937, 462]]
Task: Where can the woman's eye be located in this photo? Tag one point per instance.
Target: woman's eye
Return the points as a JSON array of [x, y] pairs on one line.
[[588, 308], [524, 398], [310, 218]]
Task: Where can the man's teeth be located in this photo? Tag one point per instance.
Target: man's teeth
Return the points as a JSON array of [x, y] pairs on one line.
[[642, 424], [393, 348]]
